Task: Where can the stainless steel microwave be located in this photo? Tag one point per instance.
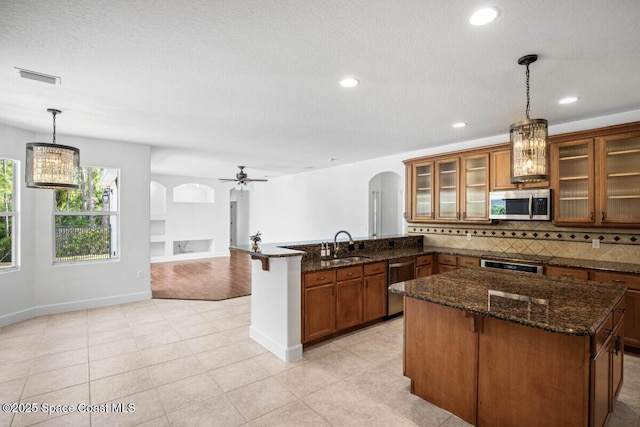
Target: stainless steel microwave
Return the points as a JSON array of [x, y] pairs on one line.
[[530, 205]]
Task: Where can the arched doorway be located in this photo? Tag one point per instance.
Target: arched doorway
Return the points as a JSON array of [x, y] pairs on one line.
[[386, 201]]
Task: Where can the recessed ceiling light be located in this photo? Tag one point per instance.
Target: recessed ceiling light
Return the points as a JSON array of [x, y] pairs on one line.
[[568, 100], [349, 82], [484, 16], [459, 125]]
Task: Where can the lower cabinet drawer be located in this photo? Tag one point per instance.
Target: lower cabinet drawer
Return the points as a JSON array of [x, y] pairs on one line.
[[572, 273], [319, 278], [375, 268], [348, 273], [447, 259], [467, 261], [631, 281]]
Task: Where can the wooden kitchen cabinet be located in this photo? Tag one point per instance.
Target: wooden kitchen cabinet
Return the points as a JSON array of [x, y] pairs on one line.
[[319, 311], [348, 297], [446, 263], [424, 264], [440, 357], [448, 188], [572, 273], [468, 261], [375, 291], [342, 298], [607, 366], [595, 176], [419, 199], [500, 167], [632, 303]]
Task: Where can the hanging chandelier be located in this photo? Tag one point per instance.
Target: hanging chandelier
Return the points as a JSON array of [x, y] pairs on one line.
[[51, 166], [529, 145]]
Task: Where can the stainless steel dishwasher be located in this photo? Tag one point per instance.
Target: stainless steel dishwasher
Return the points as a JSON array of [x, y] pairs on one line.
[[400, 269]]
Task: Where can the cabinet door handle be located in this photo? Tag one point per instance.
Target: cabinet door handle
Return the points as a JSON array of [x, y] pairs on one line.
[[320, 278], [616, 346], [602, 215], [591, 216], [618, 281], [349, 274], [464, 215], [621, 310]]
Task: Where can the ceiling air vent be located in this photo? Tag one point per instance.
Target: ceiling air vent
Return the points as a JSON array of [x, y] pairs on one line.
[[41, 77]]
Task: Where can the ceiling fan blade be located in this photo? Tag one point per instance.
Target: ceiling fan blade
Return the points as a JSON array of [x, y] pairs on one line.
[[255, 180], [227, 179]]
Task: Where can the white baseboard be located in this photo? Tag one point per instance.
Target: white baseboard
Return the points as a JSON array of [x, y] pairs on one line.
[[286, 354], [64, 307]]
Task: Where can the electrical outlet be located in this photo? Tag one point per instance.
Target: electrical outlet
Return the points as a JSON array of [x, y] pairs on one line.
[[595, 243], [468, 236], [140, 275]]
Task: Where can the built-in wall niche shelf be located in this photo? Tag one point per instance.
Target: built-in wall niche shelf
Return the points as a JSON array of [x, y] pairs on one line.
[[156, 249], [192, 192], [193, 247], [157, 227], [158, 199]]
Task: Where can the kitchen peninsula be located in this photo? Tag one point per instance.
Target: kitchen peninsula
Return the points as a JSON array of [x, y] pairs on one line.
[[505, 348]]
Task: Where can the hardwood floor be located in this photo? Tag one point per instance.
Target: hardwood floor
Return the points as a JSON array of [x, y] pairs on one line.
[[203, 279]]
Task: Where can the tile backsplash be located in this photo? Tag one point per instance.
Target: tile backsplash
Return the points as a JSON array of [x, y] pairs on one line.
[[536, 238]]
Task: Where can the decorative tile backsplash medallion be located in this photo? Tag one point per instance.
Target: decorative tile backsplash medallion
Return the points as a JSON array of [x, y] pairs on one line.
[[535, 237]]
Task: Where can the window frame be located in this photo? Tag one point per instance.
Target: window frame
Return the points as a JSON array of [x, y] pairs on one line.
[[110, 213], [14, 216]]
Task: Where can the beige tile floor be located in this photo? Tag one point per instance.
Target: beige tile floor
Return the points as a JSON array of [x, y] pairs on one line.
[[192, 363]]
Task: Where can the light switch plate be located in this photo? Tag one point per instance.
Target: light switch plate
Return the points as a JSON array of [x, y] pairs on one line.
[[595, 243]]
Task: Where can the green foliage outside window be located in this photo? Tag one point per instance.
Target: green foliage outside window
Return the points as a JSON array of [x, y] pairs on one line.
[[88, 236], [6, 209]]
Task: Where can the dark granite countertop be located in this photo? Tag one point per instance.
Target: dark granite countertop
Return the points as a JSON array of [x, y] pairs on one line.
[[314, 263], [565, 306]]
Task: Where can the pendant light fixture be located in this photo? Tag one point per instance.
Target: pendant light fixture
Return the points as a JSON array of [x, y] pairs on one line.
[[529, 145], [51, 166]]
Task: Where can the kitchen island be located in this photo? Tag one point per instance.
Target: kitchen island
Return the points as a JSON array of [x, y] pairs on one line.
[[514, 349]]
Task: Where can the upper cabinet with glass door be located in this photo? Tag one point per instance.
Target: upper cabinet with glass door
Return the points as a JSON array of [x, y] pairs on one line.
[[421, 190], [447, 195], [448, 189], [620, 178], [475, 188], [596, 181], [573, 181]]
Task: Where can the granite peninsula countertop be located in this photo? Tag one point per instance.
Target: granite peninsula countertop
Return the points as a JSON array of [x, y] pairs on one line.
[[566, 306]]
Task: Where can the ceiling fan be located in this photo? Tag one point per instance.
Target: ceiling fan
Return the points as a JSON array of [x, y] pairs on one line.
[[242, 178]]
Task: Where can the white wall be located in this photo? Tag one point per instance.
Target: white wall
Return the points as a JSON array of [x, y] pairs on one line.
[[40, 287]]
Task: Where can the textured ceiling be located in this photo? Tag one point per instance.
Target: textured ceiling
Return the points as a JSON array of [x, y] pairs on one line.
[[256, 82]]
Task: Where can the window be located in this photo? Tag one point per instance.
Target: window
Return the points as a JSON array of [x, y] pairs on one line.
[[7, 214], [86, 220]]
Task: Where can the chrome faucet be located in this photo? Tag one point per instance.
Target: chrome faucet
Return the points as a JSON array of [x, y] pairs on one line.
[[335, 242]]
